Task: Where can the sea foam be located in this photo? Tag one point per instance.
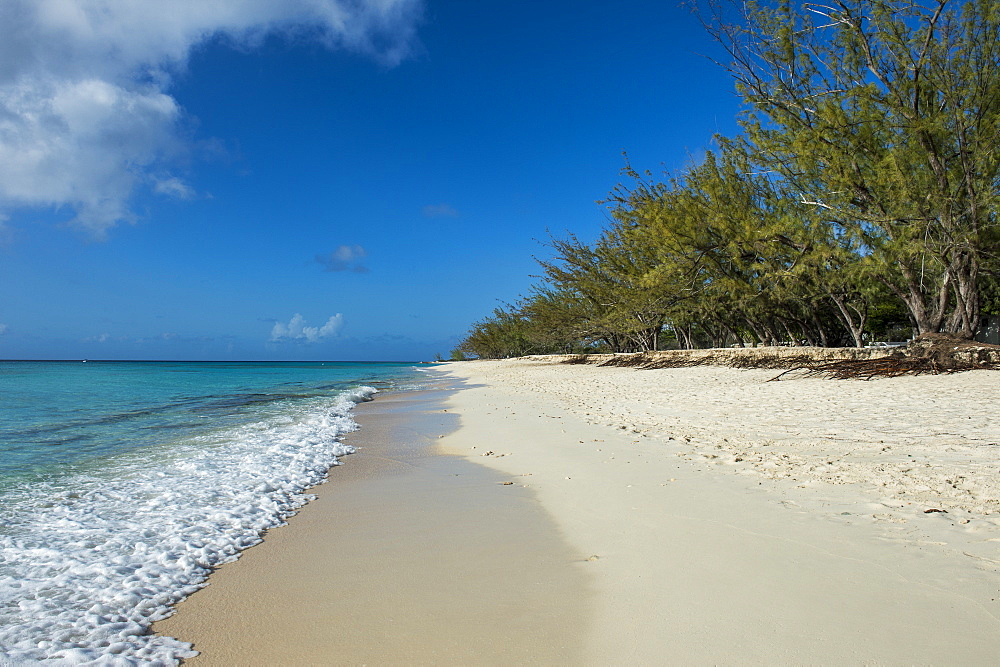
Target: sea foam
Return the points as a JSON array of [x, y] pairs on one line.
[[89, 562]]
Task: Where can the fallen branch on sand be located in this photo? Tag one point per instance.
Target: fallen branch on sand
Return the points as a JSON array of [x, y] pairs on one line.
[[930, 353], [866, 369]]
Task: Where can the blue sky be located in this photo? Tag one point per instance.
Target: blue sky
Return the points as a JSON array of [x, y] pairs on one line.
[[316, 179]]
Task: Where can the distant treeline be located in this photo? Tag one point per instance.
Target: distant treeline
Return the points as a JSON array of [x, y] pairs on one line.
[[860, 201]]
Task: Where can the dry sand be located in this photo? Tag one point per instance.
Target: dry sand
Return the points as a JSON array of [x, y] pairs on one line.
[[613, 516], [734, 520]]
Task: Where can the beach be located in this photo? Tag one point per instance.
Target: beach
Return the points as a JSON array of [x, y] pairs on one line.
[[406, 556], [534, 512]]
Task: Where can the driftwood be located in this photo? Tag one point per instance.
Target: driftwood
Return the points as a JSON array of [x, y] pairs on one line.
[[930, 353], [771, 361], [866, 369]]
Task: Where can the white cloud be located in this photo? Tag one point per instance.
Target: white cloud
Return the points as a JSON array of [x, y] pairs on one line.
[[296, 329], [174, 187], [344, 258], [85, 113], [3, 329]]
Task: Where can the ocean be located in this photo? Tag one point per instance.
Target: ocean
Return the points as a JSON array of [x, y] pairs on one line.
[[122, 484]]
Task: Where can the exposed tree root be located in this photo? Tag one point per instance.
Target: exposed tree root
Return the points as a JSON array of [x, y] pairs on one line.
[[931, 353]]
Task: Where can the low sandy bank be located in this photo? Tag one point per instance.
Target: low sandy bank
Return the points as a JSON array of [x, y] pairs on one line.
[[406, 557], [726, 519]]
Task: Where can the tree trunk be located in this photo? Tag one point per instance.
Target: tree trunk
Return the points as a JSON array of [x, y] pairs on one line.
[[793, 339], [772, 336], [926, 309], [819, 329], [683, 338], [964, 320], [758, 331], [854, 328]]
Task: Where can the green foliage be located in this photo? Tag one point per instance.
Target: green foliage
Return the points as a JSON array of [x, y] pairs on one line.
[[884, 116], [861, 203], [990, 293], [501, 336]]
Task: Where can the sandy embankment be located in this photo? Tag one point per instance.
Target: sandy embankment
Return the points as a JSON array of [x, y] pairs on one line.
[[677, 516]]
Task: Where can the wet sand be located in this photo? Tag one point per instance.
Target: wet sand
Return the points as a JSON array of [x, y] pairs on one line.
[[407, 556]]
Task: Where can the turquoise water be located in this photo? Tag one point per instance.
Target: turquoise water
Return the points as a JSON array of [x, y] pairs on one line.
[[123, 483]]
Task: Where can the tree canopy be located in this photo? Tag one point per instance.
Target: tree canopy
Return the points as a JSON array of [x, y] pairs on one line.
[[860, 199]]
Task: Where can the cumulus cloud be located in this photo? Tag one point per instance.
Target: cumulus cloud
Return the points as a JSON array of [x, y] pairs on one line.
[[297, 329], [440, 211], [344, 258], [85, 111]]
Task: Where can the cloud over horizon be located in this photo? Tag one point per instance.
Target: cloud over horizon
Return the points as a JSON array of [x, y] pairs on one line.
[[297, 330], [86, 117]]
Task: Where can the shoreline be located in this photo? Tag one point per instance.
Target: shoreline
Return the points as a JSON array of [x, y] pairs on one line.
[[689, 515], [406, 556]]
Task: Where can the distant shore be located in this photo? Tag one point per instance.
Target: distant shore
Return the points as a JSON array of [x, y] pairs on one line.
[[683, 515]]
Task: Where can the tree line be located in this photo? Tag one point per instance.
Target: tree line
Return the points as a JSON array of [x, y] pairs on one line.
[[860, 199]]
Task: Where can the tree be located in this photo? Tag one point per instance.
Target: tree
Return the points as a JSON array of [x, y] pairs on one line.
[[883, 115], [603, 284], [559, 320], [500, 336], [738, 256]]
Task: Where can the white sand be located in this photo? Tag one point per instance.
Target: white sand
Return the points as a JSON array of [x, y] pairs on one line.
[[727, 519]]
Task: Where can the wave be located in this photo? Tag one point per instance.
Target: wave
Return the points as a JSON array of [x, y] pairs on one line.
[[89, 561]]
